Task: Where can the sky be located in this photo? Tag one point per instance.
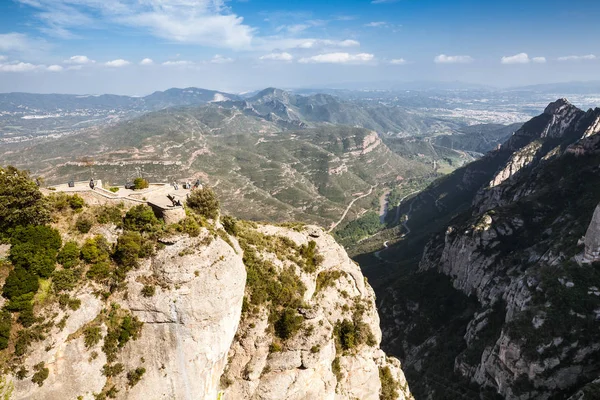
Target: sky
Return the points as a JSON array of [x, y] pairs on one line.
[[136, 47]]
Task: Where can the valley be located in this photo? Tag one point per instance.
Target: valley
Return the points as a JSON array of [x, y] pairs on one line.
[[446, 216]]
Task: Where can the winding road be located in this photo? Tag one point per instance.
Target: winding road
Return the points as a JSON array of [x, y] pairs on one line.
[[348, 209]]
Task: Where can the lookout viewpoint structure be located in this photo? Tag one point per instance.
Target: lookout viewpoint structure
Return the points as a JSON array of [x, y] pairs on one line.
[[165, 199]]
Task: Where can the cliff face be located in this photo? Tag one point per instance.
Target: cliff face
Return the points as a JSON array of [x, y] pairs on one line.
[[518, 252], [198, 338], [311, 365]]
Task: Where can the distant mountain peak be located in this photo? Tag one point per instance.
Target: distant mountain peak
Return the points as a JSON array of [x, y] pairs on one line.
[[558, 106], [271, 92]]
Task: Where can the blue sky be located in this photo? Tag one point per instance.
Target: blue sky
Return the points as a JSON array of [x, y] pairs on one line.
[[138, 46]]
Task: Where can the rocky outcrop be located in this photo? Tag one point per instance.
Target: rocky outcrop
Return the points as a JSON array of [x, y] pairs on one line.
[[305, 366], [592, 239], [197, 343], [534, 333]]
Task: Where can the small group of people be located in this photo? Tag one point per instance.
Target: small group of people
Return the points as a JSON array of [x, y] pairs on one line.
[[188, 185]]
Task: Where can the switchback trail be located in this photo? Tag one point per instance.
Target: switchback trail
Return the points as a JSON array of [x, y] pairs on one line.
[[348, 209]]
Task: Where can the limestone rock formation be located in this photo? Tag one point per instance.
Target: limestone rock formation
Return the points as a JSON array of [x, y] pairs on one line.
[[197, 343], [592, 238]]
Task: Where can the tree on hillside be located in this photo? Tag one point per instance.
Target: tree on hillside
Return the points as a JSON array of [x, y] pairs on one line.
[[204, 201], [21, 202]]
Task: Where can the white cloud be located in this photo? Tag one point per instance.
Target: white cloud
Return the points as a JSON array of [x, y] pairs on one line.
[[219, 59], [578, 58], [2, 58], [14, 42], [312, 43], [521, 58], [117, 63], [55, 68], [383, 1], [277, 57], [146, 61], [376, 24], [539, 60], [178, 63], [204, 22], [80, 60], [338, 58], [398, 61], [18, 67], [444, 59]]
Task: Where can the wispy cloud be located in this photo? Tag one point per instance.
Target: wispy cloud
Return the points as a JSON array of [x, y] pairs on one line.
[[18, 67], [117, 63], [205, 22], [177, 63], [15, 43], [219, 59], [445, 59], [278, 57], [147, 61], [383, 1], [80, 60], [398, 61], [338, 58], [522, 58], [376, 24], [55, 68], [578, 58]]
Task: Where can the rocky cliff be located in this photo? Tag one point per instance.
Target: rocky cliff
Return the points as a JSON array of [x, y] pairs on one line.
[[261, 312], [523, 314]]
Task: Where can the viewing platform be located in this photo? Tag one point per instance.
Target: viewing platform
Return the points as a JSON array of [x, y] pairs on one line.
[[156, 196]]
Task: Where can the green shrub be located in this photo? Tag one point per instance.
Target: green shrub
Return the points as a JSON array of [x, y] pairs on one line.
[[76, 202], [68, 256], [122, 330], [336, 368], [21, 202], [95, 250], [84, 224], [312, 259], [128, 249], [148, 290], [230, 225], [274, 347], [190, 226], [64, 279], [20, 283], [134, 376], [106, 214], [109, 370], [140, 183], [41, 374], [389, 386], [204, 202], [22, 373], [23, 342], [141, 218], [5, 326], [344, 333], [92, 336], [34, 248], [114, 189], [328, 278], [26, 316], [288, 324]]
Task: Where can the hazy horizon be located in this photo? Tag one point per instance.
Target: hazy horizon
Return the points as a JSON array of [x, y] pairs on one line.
[[126, 46]]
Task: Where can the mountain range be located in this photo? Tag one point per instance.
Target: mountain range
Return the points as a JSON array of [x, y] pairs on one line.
[[274, 154], [496, 282]]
